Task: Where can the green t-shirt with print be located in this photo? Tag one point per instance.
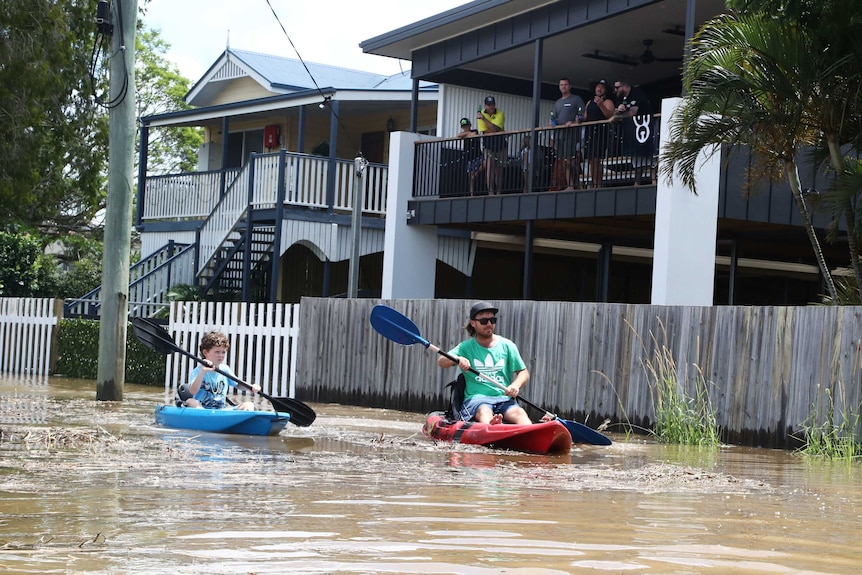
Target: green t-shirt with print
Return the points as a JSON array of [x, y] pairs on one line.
[[500, 362]]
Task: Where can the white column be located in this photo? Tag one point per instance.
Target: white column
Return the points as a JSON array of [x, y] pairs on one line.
[[685, 230], [409, 252]]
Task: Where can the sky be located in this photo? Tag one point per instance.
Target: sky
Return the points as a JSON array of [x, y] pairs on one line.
[[324, 32]]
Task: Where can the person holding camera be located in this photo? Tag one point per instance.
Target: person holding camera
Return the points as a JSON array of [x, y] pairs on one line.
[[491, 122]]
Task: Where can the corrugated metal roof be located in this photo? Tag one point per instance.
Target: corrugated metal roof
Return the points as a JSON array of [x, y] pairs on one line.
[[283, 76], [290, 73]]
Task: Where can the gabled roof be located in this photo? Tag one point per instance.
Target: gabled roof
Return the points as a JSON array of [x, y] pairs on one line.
[[280, 75]]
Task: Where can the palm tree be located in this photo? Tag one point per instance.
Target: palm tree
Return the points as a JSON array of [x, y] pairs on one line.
[[836, 106], [749, 81]]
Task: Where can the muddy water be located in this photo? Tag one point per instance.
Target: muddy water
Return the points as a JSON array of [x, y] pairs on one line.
[[95, 488]]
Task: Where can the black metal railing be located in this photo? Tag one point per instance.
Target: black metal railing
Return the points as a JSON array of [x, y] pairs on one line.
[[584, 156]]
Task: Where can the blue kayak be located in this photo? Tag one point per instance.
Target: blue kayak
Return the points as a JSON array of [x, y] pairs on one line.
[[222, 420]]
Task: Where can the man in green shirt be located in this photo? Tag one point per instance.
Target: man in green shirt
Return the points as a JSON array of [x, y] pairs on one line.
[[493, 356]]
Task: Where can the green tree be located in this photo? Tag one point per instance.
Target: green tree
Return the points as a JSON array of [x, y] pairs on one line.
[[749, 81], [52, 134], [161, 89], [21, 265]]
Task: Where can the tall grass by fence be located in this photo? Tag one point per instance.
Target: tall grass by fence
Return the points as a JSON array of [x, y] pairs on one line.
[[765, 366], [27, 332], [263, 342]]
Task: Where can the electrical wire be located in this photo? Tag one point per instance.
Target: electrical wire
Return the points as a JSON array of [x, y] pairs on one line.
[[95, 58], [327, 100]]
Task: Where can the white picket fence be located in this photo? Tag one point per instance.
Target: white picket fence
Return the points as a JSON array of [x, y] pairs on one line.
[[27, 327], [263, 342]]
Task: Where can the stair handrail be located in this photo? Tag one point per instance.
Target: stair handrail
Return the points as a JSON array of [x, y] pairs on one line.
[[224, 217], [233, 206], [149, 293], [159, 262]]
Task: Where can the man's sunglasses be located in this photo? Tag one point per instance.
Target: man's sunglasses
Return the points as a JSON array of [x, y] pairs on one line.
[[487, 320]]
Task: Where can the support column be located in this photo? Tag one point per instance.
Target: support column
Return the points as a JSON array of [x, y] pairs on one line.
[[225, 126], [603, 272], [685, 231], [529, 234], [333, 154], [142, 172], [409, 252], [414, 106]]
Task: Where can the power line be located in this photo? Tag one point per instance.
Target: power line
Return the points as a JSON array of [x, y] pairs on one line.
[[327, 100], [103, 36]]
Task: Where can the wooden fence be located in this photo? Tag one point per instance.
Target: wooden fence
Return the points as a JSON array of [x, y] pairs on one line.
[[766, 369], [28, 334], [263, 338]]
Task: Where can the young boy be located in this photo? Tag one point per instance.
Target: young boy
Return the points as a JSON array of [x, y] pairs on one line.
[[208, 389]]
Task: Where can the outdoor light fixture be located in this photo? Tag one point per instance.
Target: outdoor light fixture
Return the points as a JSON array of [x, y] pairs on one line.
[[326, 100]]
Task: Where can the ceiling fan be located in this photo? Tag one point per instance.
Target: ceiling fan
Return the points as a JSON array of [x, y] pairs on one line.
[[648, 57], [611, 57]]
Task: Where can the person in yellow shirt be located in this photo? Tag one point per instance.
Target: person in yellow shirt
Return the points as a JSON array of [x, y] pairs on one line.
[[491, 123]]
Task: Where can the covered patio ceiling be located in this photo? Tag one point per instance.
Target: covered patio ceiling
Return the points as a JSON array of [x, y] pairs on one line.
[[608, 48]]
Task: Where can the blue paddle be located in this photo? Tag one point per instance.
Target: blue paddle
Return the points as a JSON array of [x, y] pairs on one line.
[[398, 328]]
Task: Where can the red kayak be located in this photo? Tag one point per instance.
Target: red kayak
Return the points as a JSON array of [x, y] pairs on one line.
[[544, 437]]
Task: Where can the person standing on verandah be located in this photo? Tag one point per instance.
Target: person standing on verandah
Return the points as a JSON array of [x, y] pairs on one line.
[[567, 111], [493, 121]]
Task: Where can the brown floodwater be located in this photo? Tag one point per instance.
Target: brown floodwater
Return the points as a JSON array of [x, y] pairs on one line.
[[90, 487]]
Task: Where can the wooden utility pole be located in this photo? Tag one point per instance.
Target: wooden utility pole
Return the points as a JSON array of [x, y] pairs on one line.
[[118, 215]]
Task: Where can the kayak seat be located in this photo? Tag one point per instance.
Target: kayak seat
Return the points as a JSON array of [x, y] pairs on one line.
[[456, 397], [182, 395]]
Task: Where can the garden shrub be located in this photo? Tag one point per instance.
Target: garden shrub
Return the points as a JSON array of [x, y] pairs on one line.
[[78, 354]]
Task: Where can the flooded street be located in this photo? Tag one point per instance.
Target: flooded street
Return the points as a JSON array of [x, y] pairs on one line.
[[96, 488]]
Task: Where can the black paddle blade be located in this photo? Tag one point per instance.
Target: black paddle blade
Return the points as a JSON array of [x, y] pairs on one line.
[[153, 336], [395, 326], [300, 413]]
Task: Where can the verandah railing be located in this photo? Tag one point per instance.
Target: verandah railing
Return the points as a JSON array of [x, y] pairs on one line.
[[595, 154], [195, 195]]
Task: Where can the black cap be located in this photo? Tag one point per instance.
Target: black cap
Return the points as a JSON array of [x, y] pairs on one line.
[[490, 101], [465, 122], [602, 82], [481, 306]]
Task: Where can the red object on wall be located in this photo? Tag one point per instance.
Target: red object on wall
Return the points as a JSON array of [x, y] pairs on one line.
[[271, 136]]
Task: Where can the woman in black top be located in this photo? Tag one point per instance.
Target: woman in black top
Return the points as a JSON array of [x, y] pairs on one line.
[[599, 109]]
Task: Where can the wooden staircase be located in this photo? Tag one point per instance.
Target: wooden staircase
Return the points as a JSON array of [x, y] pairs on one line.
[[238, 258]]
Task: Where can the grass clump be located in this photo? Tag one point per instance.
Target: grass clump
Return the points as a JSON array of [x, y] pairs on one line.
[[682, 416], [836, 437]]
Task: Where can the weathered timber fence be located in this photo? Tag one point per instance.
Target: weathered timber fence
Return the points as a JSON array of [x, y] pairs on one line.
[[263, 339], [28, 328], [767, 369]]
